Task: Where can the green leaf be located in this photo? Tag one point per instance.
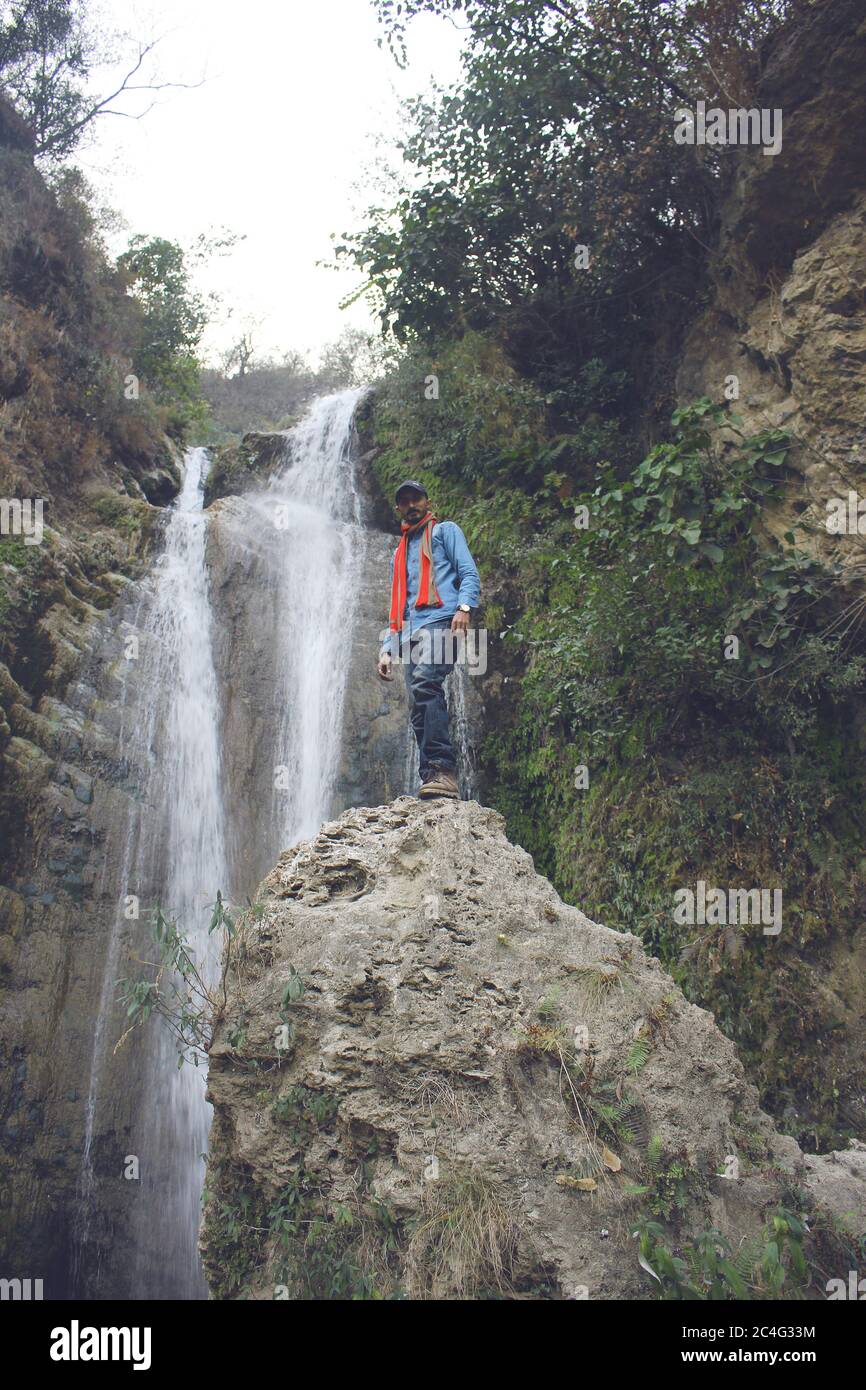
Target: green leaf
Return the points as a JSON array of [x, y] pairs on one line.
[[736, 1282]]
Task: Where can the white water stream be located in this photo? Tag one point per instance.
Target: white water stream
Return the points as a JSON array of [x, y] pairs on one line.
[[304, 531], [185, 781], [314, 509]]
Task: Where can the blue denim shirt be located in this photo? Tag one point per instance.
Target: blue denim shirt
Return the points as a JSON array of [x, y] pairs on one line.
[[456, 579]]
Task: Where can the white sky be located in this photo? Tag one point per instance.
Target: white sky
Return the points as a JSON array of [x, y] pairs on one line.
[[297, 103]]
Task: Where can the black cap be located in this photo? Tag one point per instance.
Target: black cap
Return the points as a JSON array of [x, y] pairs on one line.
[[410, 482]]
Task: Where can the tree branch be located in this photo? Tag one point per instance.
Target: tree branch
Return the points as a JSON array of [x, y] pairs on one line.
[[103, 106]]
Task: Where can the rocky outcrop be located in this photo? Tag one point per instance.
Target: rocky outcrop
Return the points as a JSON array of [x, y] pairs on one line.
[[236, 467], [786, 315], [479, 1090]]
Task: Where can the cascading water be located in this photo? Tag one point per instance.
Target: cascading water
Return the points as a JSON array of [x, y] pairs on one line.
[[460, 723], [186, 782], [316, 509], [458, 699], [298, 548], [175, 857]]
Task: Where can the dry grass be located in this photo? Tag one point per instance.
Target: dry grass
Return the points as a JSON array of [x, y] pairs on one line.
[[465, 1242]]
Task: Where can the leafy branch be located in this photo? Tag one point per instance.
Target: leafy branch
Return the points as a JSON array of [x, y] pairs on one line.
[[176, 987]]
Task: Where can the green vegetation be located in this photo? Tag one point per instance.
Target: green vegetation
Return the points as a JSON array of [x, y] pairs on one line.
[[20, 589], [305, 1112], [670, 1185], [558, 137], [124, 514], [173, 320], [615, 634], [770, 1266], [175, 989], [296, 1244]]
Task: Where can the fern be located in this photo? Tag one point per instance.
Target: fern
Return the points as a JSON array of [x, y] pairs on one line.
[[635, 1122], [637, 1057], [618, 1116], [654, 1152], [747, 1257]]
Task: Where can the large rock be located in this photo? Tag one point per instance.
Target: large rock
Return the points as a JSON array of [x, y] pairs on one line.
[[476, 1076]]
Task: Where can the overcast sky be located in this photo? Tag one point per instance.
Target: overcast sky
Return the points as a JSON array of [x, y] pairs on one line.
[[296, 105]]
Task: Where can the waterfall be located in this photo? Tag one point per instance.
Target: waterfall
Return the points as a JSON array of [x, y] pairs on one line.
[[458, 697], [174, 856], [314, 506], [185, 782], [201, 784]]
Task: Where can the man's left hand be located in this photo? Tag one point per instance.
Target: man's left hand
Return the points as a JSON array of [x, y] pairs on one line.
[[460, 622]]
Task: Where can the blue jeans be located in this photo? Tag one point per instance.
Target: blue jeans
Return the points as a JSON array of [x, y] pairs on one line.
[[425, 678]]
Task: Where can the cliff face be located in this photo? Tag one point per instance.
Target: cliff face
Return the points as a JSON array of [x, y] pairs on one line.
[[97, 462], [786, 318], [786, 312], [479, 1089], [688, 785]]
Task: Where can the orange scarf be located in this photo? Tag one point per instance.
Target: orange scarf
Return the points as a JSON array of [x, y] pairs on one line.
[[427, 595]]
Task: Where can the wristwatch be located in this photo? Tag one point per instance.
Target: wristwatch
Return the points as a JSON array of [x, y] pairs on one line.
[[464, 608]]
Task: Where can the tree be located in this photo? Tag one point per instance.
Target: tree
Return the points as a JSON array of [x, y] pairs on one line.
[[559, 137], [48, 50], [173, 320], [241, 356], [353, 359]]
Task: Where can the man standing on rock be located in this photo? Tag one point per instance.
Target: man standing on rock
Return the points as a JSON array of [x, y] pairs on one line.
[[434, 587]]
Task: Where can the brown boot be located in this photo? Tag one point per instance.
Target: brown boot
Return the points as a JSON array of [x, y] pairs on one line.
[[440, 781]]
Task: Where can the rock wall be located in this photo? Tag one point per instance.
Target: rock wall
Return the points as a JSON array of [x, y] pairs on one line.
[[79, 803], [786, 316], [76, 810], [786, 312], [97, 461], [478, 1091]]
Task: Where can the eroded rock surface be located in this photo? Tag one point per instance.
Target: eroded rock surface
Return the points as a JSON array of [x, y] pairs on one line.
[[786, 312], [473, 1080]]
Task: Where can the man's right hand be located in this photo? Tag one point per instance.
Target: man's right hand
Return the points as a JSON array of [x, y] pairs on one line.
[[383, 666]]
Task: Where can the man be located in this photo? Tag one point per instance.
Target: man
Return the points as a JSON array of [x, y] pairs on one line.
[[434, 587]]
